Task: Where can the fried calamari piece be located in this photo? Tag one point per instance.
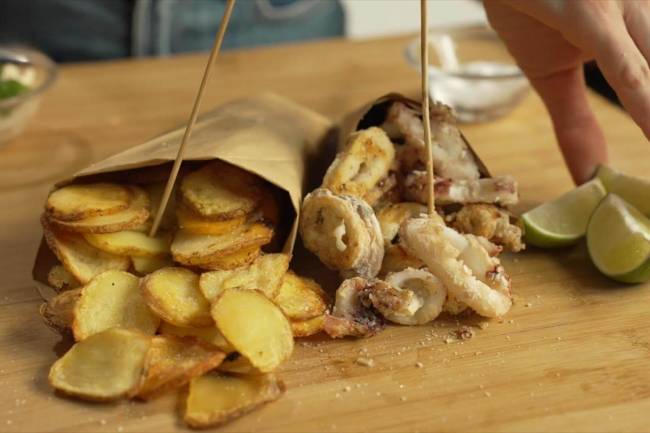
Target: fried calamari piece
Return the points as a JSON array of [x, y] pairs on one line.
[[489, 221], [425, 293], [499, 190], [390, 218], [461, 262], [452, 157], [361, 165], [343, 232], [353, 314]]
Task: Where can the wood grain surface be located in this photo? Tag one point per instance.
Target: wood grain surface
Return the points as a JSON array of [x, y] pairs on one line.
[[572, 355]]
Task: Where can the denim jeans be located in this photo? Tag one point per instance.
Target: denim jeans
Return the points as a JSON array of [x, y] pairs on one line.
[[71, 30]]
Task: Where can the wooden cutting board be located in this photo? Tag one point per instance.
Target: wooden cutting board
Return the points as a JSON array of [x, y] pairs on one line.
[[572, 355]]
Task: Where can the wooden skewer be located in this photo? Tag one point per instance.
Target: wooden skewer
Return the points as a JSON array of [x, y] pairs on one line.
[[424, 62], [195, 112]]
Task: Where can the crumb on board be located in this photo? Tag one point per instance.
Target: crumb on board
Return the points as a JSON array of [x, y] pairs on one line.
[[461, 334], [419, 364], [366, 362]]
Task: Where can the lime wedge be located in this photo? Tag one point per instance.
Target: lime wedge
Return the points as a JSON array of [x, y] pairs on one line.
[[563, 221], [631, 189], [618, 240]]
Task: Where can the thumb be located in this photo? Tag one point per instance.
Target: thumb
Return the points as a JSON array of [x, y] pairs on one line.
[[580, 138]]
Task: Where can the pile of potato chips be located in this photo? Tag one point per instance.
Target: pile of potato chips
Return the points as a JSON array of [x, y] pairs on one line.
[[199, 306]]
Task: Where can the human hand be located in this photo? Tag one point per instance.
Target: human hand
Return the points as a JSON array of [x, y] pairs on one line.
[[550, 39]]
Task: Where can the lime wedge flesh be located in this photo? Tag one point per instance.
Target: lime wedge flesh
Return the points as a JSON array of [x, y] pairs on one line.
[[633, 190], [618, 240], [563, 221]]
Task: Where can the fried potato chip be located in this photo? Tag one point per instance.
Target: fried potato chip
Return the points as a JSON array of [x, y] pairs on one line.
[[392, 216], [172, 362], [191, 222], [254, 326], [209, 334], [264, 274], [306, 328], [58, 312], [128, 219], [130, 243], [222, 191], [215, 399], [79, 258], [235, 363], [232, 261], [300, 298], [147, 265], [112, 300], [174, 295], [104, 367], [192, 249], [396, 259], [76, 202], [362, 164], [61, 280]]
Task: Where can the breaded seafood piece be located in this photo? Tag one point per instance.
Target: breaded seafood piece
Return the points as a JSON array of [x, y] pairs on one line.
[[500, 190], [343, 232], [461, 262], [353, 314], [495, 224], [362, 164]]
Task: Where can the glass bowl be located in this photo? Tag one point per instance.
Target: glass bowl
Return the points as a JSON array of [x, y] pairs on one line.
[[471, 70], [31, 68]]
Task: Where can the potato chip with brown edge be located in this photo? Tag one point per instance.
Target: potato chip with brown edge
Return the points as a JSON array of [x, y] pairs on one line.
[[127, 219], [192, 249], [300, 298], [209, 334], [173, 294], [76, 202], [215, 399], [222, 191], [104, 367], [172, 362], [60, 279], [192, 222], [79, 258], [241, 258], [147, 265], [306, 328], [112, 300], [238, 364], [254, 326], [264, 274], [58, 312], [131, 243]]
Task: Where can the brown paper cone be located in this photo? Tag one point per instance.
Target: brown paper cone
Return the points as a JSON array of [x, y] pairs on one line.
[[266, 135]]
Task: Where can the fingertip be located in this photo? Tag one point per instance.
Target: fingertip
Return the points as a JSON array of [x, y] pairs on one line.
[[578, 133]]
